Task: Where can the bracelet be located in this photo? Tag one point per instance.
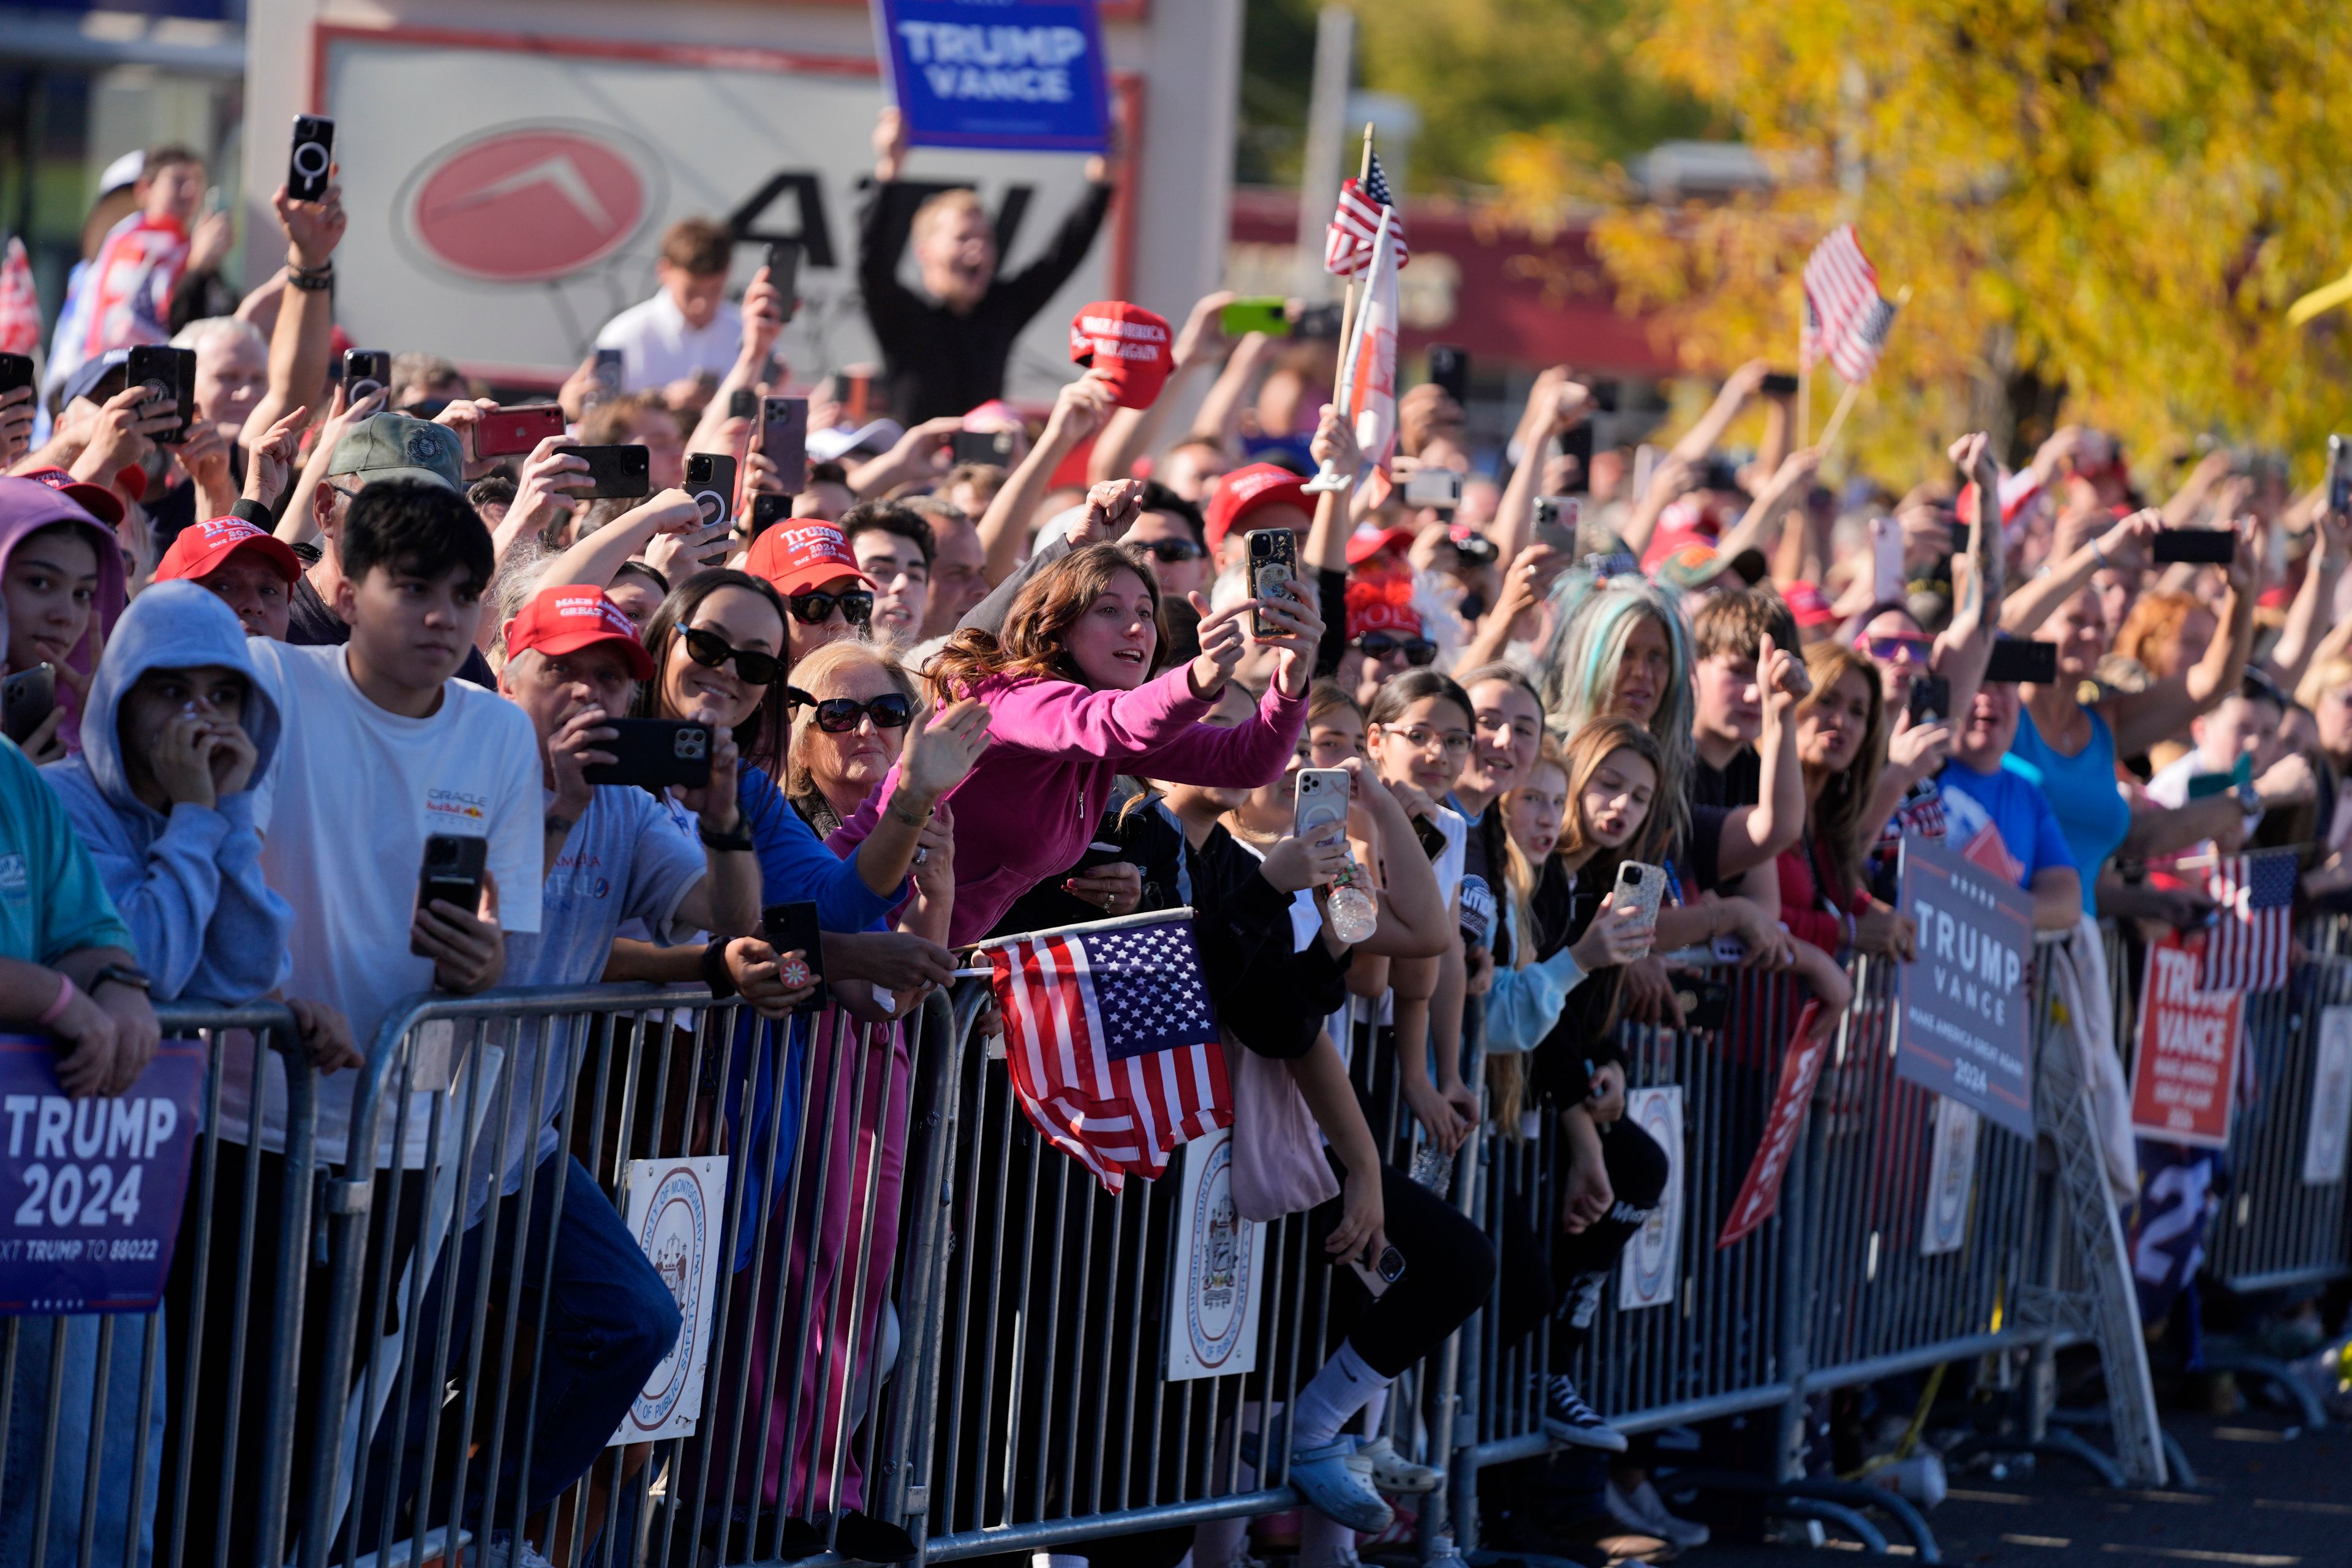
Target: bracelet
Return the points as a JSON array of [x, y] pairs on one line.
[[714, 971], [899, 815], [2101, 555], [739, 838], [57, 1008], [310, 283]]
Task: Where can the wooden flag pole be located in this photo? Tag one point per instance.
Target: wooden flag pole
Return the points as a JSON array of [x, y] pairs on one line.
[[1853, 390], [1329, 479], [1804, 376]]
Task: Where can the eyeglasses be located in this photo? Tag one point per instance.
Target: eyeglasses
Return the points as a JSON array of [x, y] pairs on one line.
[[839, 715], [1168, 552], [711, 651], [1898, 648], [815, 609], [1453, 742], [1417, 651]]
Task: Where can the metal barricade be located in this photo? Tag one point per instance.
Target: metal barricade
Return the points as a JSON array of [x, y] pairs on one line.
[[119, 1443], [483, 1303]]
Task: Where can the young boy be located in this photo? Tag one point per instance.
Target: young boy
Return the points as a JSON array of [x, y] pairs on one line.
[[691, 327], [1727, 635], [124, 298]]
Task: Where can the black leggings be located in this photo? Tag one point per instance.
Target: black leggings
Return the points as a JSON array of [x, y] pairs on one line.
[[1578, 1263], [1449, 1268]]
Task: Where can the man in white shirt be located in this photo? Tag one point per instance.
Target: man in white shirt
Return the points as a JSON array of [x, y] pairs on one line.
[[688, 328]]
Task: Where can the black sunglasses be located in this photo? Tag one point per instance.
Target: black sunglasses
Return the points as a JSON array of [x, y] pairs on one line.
[[815, 609], [711, 651], [1417, 651], [1168, 552], [839, 715]]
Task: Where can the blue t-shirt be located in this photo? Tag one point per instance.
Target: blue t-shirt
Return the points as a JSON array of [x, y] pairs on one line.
[[52, 901], [2080, 790], [2007, 809]]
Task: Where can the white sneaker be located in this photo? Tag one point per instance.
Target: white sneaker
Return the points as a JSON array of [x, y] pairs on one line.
[[1392, 1472], [1644, 1509]]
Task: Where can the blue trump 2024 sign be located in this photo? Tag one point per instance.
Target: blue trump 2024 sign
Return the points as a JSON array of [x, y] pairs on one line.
[[997, 73], [91, 1189]]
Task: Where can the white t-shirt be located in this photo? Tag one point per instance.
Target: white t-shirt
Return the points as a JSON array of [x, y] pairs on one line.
[[658, 347], [352, 796], [2168, 785]]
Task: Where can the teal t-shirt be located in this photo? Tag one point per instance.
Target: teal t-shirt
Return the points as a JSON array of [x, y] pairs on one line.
[[51, 901], [2080, 790]]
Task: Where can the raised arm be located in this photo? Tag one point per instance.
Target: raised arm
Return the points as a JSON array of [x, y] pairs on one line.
[[2165, 708], [1219, 417], [598, 557], [764, 323], [1079, 410], [1700, 438], [1791, 480], [2124, 545], [1133, 432], [1753, 834], [2299, 638], [299, 343]]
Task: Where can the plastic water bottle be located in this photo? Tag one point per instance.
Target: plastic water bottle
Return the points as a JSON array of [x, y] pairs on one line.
[[1354, 916]]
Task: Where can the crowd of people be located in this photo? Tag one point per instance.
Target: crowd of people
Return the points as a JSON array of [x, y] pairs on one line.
[[949, 702]]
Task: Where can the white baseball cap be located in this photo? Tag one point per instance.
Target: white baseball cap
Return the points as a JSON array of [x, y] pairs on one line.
[[122, 173]]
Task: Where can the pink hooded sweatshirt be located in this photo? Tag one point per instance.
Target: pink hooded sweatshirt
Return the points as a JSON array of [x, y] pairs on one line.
[[1033, 800]]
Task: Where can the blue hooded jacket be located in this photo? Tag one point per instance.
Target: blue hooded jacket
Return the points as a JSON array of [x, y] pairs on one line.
[[189, 885]]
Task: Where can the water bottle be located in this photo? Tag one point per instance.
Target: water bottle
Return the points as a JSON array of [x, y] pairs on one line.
[[1354, 915], [1433, 1168]]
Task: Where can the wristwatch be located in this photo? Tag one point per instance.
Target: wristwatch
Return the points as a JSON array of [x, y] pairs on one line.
[[740, 839], [122, 973], [2250, 799]]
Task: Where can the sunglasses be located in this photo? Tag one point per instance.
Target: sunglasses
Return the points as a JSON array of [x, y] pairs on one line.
[[1168, 552], [815, 609], [839, 715], [1417, 651], [1901, 645], [711, 651]]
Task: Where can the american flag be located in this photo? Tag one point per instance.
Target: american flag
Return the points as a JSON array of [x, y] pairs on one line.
[[1112, 1044], [2247, 951], [1845, 318], [1347, 243], [20, 305]]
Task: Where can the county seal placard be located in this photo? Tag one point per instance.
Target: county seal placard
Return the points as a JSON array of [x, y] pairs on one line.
[[1220, 1260], [672, 1207]]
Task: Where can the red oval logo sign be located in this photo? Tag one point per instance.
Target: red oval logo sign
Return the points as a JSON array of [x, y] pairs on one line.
[[522, 207]]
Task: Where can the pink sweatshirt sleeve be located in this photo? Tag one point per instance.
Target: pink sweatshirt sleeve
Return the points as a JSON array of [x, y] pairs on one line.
[[852, 833], [1244, 757], [1062, 718]]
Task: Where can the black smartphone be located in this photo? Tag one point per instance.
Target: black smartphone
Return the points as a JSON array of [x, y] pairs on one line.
[[365, 371], [1449, 368], [792, 927], [15, 370], [454, 865], [710, 480], [310, 164], [165, 373], [1432, 836], [1390, 1267], [993, 447], [617, 472], [784, 272], [1778, 384], [1930, 701], [1705, 1004], [1273, 567], [1578, 443], [2198, 546], [783, 437], [25, 699], [1319, 322], [768, 510], [2016, 658], [2339, 476], [606, 370], [654, 753], [743, 404]]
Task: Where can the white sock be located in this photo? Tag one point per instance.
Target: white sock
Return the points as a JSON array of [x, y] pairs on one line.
[[1376, 1410], [1345, 1385]]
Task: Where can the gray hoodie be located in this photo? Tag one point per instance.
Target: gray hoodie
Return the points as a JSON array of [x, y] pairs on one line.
[[189, 885]]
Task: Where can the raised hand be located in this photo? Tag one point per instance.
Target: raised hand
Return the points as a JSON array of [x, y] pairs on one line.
[[313, 229], [1223, 643], [269, 461], [939, 752]]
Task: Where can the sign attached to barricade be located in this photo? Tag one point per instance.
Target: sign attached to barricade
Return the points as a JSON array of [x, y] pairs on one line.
[[1964, 1031], [997, 73], [2331, 1099], [2185, 1074], [91, 1189], [1951, 1178], [1218, 1284], [1760, 1194], [1654, 1255], [675, 1209]]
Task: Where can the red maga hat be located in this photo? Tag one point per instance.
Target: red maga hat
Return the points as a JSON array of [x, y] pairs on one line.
[[1245, 490], [96, 500], [202, 548], [577, 616], [1127, 345]]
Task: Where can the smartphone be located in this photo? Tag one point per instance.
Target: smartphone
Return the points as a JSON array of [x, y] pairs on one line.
[[710, 480], [618, 472], [784, 271], [1317, 322], [994, 446], [1321, 801], [1930, 701], [510, 431], [1449, 367], [1886, 573], [1719, 474], [1577, 446], [1269, 316], [2340, 475], [25, 699], [1778, 384], [1604, 396], [365, 371], [743, 404], [454, 865], [606, 370], [1706, 1003], [767, 510], [165, 373], [1439, 488], [2199, 546], [783, 437], [1273, 563], [15, 370], [2204, 786], [654, 753], [1390, 1267], [1641, 887], [1432, 836], [2016, 658], [310, 163], [792, 927], [1556, 522]]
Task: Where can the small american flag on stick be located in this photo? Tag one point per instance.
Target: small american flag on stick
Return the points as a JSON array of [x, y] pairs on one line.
[[1846, 321], [1347, 243], [2247, 951], [1111, 1042]]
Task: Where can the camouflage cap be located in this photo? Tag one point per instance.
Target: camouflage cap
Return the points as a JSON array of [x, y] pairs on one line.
[[396, 447]]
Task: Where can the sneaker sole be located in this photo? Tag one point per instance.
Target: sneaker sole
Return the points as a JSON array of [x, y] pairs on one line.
[[1608, 1440]]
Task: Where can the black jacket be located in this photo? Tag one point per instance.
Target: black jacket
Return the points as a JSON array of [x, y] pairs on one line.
[[1272, 998]]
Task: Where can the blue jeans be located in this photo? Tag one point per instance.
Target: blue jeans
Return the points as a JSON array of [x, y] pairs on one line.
[[76, 1414], [610, 1322]]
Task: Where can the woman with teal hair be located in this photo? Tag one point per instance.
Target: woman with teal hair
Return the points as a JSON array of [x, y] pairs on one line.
[[1619, 647]]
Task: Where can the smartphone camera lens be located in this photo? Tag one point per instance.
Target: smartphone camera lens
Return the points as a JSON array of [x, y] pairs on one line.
[[309, 159]]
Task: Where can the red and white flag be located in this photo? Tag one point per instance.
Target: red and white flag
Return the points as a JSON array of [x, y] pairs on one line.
[[1368, 369], [1347, 243], [1846, 321], [20, 303], [1111, 1042], [2247, 947]]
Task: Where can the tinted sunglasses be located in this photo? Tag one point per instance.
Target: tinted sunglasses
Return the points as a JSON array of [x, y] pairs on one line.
[[839, 715], [856, 607], [1417, 651], [1168, 552], [711, 651], [1887, 649]]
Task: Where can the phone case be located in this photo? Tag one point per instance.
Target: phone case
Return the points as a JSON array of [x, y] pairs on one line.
[[655, 752], [2193, 546], [1274, 566], [1886, 558], [710, 480], [15, 370], [452, 872], [982, 447], [615, 472], [172, 370], [784, 441], [1644, 895], [1270, 317], [25, 699], [792, 928], [510, 432], [310, 161]]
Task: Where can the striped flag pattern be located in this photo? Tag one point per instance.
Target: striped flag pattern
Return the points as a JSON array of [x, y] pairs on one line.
[[1846, 321], [1347, 243], [2247, 951], [20, 305], [1111, 1042]]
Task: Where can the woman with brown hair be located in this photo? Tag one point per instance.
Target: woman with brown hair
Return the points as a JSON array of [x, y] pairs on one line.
[[1072, 704], [1825, 900]]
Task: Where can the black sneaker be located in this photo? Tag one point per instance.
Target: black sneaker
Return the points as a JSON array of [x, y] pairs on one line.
[[1567, 1419]]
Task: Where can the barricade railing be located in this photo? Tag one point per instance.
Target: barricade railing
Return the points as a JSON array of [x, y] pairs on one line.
[[117, 1442]]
